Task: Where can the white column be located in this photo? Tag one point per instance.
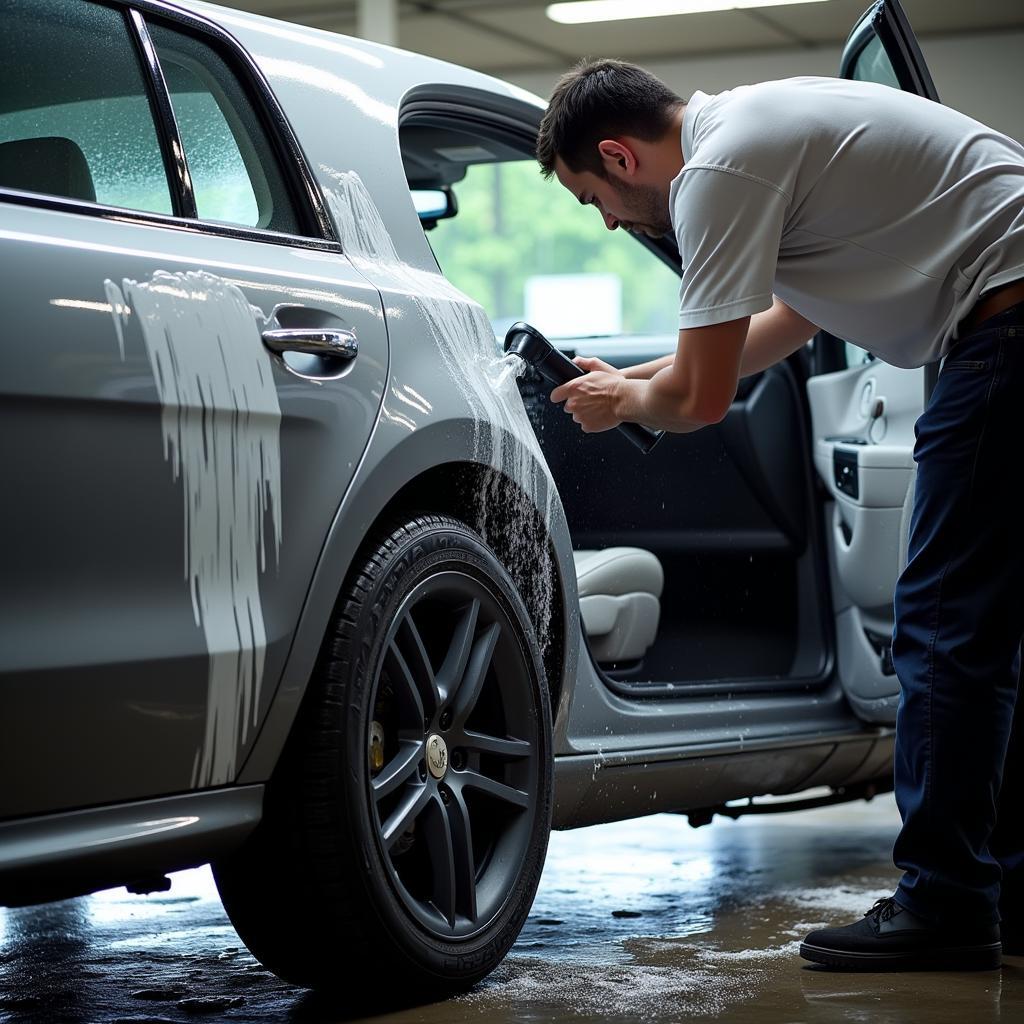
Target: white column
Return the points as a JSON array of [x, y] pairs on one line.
[[377, 20]]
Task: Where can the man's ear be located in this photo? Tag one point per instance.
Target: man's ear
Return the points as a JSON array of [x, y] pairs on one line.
[[618, 159]]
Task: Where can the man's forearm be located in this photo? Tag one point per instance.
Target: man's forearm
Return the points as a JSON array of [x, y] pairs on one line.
[[645, 371], [772, 335], [657, 407]]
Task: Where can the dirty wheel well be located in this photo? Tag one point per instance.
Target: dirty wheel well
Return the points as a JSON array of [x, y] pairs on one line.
[[498, 509]]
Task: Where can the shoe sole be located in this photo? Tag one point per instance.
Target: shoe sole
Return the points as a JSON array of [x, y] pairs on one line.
[[946, 958]]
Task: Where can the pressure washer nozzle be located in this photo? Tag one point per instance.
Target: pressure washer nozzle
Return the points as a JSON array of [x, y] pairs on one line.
[[556, 368], [527, 342]]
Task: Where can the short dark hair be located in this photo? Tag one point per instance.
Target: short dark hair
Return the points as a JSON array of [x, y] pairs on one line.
[[596, 100]]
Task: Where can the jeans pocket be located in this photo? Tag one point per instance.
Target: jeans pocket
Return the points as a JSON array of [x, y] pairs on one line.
[[966, 364]]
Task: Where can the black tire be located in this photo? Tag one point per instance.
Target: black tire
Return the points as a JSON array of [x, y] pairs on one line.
[[337, 887]]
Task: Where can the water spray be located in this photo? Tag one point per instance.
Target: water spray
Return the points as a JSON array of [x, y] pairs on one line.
[[555, 367]]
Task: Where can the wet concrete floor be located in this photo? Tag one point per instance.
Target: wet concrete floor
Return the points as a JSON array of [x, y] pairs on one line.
[[647, 920]]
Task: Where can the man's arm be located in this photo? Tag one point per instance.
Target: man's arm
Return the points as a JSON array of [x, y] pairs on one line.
[[774, 334], [695, 390], [695, 386]]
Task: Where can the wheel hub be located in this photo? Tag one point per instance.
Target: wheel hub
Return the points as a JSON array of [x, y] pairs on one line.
[[437, 756]]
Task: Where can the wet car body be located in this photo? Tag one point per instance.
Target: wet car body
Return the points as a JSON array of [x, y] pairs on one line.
[[130, 754]]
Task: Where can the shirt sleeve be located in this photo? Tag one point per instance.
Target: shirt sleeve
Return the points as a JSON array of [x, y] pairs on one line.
[[729, 228]]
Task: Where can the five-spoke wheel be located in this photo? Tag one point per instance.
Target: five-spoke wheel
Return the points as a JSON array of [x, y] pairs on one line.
[[453, 753], [404, 831]]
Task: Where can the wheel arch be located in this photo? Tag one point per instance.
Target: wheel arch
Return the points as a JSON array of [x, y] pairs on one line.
[[408, 478]]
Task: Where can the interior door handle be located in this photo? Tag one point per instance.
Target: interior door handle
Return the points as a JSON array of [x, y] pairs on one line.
[[331, 343]]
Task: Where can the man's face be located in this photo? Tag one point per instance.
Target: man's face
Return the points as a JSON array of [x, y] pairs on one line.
[[642, 209]]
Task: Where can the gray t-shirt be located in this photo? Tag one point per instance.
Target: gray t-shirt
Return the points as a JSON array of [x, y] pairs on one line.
[[878, 215]]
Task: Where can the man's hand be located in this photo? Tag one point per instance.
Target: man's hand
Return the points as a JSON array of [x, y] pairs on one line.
[[592, 399], [591, 363]]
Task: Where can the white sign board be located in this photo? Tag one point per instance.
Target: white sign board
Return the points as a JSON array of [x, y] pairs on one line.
[[574, 305]]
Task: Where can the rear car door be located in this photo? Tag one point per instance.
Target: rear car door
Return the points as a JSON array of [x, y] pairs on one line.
[[173, 455], [863, 414]]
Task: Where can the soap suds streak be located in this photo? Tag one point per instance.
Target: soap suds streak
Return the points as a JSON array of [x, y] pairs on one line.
[[221, 431], [503, 438]]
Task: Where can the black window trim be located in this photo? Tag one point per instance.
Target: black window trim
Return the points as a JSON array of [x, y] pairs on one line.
[[303, 188], [124, 214], [179, 178]]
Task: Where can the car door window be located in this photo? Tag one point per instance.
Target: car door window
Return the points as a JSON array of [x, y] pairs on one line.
[[873, 65], [234, 173], [525, 249], [75, 119]]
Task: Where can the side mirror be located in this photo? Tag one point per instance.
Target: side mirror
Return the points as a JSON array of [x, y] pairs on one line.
[[434, 204]]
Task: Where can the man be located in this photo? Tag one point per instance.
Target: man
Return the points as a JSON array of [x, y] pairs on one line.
[[897, 224]]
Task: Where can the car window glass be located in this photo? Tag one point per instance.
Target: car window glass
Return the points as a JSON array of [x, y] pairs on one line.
[[873, 65], [75, 119], [525, 249], [234, 172], [222, 187]]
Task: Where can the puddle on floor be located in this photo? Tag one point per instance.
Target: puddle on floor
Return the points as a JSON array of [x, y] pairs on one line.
[[643, 921]]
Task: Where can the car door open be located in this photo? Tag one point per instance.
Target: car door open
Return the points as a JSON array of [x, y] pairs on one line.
[[714, 532], [863, 419]]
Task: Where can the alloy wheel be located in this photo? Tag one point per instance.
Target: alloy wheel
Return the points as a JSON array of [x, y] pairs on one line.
[[453, 754]]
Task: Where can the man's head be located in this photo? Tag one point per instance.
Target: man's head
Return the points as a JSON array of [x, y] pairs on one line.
[[608, 135]]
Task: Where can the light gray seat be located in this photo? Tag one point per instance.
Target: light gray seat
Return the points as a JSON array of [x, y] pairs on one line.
[[619, 601]]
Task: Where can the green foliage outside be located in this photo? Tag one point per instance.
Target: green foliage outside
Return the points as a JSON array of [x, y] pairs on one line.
[[513, 224]]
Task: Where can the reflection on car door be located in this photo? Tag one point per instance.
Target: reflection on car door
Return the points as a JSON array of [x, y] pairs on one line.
[[863, 423], [170, 481]]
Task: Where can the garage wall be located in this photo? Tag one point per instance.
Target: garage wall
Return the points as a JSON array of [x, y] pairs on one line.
[[982, 75]]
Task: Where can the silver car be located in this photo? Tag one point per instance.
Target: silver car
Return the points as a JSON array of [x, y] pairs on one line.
[[303, 577]]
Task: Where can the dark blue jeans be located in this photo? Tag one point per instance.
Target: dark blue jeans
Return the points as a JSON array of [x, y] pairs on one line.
[[959, 623]]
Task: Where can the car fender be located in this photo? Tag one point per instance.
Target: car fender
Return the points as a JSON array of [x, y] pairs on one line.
[[394, 459]]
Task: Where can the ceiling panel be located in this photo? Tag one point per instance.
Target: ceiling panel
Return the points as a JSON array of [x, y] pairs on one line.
[[466, 44], [684, 34], [830, 22], [510, 35], [814, 23]]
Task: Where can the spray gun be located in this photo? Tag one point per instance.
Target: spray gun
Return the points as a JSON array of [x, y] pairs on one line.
[[556, 368]]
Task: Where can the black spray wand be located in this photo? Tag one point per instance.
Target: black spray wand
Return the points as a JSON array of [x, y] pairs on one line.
[[556, 368]]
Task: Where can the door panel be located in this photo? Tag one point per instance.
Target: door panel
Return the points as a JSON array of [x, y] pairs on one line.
[[171, 488], [171, 480], [863, 425]]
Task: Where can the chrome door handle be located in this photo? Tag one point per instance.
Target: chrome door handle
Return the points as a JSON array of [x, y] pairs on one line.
[[321, 341]]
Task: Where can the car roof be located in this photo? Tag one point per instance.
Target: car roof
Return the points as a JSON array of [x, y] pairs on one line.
[[365, 57], [342, 97]]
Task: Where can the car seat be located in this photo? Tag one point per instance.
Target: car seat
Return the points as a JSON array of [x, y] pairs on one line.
[[54, 165], [619, 601]]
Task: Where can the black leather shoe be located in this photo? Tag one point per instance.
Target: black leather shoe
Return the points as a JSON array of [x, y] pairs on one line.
[[1013, 938], [890, 938]]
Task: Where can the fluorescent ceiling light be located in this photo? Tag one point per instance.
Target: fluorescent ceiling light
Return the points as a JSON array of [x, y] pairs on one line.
[[580, 12]]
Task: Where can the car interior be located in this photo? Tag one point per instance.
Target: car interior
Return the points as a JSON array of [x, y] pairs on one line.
[[701, 565]]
